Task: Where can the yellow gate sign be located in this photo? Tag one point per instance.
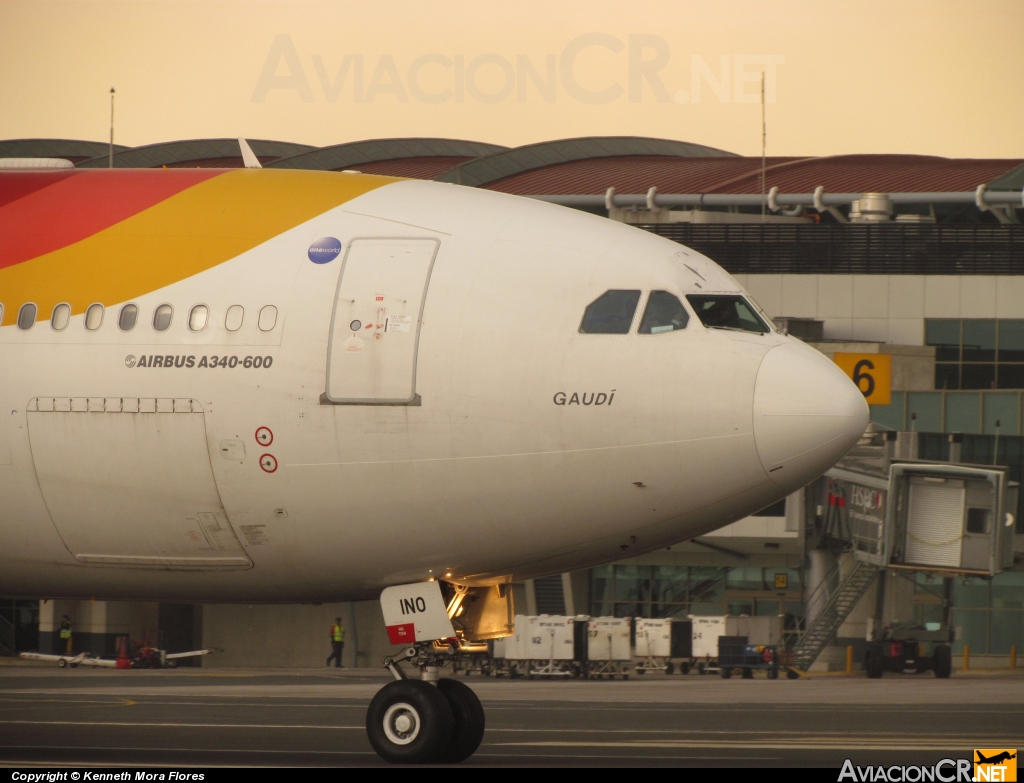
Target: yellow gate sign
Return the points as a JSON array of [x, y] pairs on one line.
[[872, 372]]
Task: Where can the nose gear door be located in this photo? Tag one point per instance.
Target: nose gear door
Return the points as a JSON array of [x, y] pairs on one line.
[[375, 327]]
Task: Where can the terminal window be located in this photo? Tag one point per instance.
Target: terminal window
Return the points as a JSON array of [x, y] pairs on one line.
[[977, 353], [627, 590]]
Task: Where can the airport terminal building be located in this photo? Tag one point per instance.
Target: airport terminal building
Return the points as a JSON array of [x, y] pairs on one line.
[[913, 258]]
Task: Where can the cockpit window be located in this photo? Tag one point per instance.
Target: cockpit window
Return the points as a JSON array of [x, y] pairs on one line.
[[664, 313], [611, 313], [727, 311]]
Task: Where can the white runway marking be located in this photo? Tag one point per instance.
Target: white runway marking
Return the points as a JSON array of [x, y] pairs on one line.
[[805, 743]]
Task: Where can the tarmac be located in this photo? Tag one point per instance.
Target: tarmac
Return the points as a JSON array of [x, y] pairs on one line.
[[194, 717]]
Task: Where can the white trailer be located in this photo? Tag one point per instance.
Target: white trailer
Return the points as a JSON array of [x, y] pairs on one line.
[[653, 646], [541, 646], [608, 648], [706, 631]]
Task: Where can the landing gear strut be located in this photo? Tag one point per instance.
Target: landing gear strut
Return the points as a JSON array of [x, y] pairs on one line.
[[424, 721]]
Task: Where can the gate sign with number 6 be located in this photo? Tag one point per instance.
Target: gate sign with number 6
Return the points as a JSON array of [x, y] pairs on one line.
[[872, 372]]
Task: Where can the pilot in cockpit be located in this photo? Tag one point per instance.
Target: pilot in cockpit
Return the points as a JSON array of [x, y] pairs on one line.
[[722, 313]]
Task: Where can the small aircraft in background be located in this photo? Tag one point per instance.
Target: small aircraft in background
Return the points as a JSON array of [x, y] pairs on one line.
[[141, 658]]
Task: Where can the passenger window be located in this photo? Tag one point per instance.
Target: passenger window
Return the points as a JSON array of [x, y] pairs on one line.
[[162, 317], [197, 318], [664, 313], [1, 314], [611, 313], [94, 317], [727, 311], [978, 521], [129, 315], [233, 319], [27, 316], [268, 318], [60, 317]]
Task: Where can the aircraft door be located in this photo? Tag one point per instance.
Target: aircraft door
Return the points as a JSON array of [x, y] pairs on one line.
[[128, 482], [376, 322]]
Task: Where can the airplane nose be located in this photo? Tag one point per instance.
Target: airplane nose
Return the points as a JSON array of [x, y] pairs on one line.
[[807, 414]]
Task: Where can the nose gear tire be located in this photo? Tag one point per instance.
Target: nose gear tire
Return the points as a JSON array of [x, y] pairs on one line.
[[423, 721], [469, 721]]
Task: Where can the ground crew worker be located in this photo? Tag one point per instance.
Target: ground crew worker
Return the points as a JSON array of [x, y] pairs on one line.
[[65, 633], [337, 642]]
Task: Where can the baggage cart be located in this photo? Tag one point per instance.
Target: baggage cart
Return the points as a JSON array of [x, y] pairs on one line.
[[608, 648], [735, 653], [541, 646], [653, 646], [705, 633]]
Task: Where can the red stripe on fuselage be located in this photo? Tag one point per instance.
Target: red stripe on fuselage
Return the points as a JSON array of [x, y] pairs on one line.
[[43, 214], [15, 185]]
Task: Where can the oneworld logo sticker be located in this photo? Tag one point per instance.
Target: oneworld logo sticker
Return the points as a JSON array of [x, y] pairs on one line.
[[324, 250]]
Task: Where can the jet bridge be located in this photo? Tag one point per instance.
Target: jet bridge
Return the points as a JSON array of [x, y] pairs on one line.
[[907, 515]]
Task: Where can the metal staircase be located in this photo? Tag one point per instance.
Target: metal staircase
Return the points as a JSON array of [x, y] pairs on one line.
[[835, 598]]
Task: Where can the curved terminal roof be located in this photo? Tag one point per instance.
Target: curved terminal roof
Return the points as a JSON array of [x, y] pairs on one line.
[[870, 173], [418, 158], [488, 171], [204, 153], [837, 174], [584, 166], [74, 150]]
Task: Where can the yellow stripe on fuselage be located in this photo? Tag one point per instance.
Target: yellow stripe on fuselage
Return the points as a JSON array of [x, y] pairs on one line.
[[192, 231]]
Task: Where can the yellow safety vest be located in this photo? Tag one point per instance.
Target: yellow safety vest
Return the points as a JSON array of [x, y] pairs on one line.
[[65, 633], [338, 632]]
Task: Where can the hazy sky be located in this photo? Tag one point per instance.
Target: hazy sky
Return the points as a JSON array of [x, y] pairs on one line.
[[942, 77]]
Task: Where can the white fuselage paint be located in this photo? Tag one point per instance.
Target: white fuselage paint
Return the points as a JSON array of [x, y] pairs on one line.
[[487, 479]]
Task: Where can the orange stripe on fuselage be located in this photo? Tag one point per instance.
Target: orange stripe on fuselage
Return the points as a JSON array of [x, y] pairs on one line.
[[55, 214], [188, 233]]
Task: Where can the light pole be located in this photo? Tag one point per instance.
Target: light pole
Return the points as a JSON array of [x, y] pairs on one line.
[[110, 155]]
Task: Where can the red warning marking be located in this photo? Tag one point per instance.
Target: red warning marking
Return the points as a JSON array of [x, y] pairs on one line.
[[268, 462], [264, 436], [380, 297], [402, 634]]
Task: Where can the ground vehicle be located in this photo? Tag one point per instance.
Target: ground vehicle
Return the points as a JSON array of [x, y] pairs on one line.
[[734, 654], [905, 649]]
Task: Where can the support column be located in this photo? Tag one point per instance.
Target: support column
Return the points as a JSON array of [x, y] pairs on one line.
[[531, 598]]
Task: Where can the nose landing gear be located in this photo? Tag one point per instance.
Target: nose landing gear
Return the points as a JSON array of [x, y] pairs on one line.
[[424, 721]]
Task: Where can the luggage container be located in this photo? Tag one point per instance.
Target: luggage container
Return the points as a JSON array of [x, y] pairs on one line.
[[541, 646], [706, 631], [653, 646], [551, 647], [608, 648]]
